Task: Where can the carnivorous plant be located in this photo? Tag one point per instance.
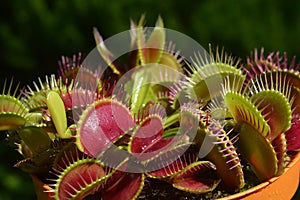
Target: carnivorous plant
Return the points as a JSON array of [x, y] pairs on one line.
[[153, 117]]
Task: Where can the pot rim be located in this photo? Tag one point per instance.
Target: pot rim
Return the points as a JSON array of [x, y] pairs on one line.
[[259, 188]]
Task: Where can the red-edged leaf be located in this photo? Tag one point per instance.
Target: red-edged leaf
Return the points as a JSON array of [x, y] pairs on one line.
[[151, 48], [101, 124], [125, 186], [80, 179], [78, 98], [293, 135], [167, 169], [147, 140], [197, 178], [279, 145]]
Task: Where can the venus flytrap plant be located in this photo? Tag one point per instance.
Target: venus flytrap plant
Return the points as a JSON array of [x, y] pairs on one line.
[[207, 70], [252, 124], [192, 123], [150, 49], [223, 155], [13, 111]]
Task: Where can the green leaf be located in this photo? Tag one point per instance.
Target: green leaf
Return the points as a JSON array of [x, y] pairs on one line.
[[258, 151], [11, 121], [35, 138], [207, 75], [210, 86], [104, 52], [276, 109], [242, 109], [58, 113], [224, 156], [12, 112], [141, 92]]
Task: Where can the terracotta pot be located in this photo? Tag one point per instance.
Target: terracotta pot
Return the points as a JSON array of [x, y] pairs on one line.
[[282, 187]]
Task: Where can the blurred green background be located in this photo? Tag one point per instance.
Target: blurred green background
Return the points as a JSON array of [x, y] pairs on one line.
[[34, 34]]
